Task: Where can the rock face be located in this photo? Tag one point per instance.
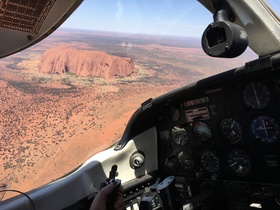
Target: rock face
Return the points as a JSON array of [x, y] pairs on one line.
[[85, 63]]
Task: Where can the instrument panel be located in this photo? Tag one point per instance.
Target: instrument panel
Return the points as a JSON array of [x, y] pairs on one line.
[[228, 131]]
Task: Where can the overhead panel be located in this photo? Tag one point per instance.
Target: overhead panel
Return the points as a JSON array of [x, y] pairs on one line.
[[25, 22]]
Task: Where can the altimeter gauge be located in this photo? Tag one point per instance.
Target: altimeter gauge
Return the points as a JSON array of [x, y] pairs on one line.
[[265, 129], [231, 130], [239, 162]]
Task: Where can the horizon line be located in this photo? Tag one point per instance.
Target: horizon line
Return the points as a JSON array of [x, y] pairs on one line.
[[129, 33]]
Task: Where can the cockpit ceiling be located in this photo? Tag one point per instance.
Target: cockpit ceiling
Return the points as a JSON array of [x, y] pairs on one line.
[[29, 21], [27, 16]]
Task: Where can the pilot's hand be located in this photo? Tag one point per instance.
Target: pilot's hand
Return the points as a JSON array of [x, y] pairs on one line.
[[99, 202]]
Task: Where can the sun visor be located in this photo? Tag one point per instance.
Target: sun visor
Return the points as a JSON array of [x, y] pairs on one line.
[[24, 23]]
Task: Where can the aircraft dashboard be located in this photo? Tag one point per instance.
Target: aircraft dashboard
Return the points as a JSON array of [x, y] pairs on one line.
[[225, 136]]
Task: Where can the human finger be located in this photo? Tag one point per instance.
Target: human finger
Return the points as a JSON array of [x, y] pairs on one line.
[[107, 190], [119, 203], [99, 202]]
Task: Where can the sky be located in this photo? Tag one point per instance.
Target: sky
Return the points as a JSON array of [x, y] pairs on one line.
[[186, 18]]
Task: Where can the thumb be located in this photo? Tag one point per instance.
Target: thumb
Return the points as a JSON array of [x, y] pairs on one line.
[[106, 191]]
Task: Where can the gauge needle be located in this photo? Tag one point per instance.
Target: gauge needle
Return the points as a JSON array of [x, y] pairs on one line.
[[233, 132], [265, 128], [255, 92], [233, 164], [232, 124]]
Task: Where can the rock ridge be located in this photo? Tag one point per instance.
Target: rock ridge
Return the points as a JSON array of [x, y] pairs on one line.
[[63, 59]]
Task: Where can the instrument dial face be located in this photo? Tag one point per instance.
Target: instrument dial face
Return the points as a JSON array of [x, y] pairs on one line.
[[210, 162], [179, 135], [256, 95], [185, 160], [239, 162], [265, 129], [202, 132], [231, 130]]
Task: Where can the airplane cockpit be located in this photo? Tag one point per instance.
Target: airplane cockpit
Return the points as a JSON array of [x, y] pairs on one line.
[[212, 144]]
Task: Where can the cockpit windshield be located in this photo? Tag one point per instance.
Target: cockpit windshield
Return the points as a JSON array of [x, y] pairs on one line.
[[274, 6], [71, 95]]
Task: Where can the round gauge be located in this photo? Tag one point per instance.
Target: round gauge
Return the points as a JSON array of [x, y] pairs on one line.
[[231, 130], [239, 162], [179, 135], [210, 161], [185, 160], [256, 95], [265, 129], [202, 132]]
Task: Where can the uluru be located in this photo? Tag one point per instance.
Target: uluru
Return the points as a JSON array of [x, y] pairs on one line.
[[63, 59]]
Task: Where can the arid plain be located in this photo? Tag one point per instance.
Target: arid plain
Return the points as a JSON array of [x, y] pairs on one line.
[[51, 123]]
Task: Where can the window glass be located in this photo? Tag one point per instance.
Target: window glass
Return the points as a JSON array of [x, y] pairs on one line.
[[71, 95], [274, 5]]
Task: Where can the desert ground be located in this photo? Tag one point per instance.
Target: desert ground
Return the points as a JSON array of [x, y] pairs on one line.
[[51, 123]]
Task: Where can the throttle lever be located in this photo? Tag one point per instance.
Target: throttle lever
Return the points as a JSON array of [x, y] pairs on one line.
[[113, 172], [117, 182], [113, 196], [112, 175]]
